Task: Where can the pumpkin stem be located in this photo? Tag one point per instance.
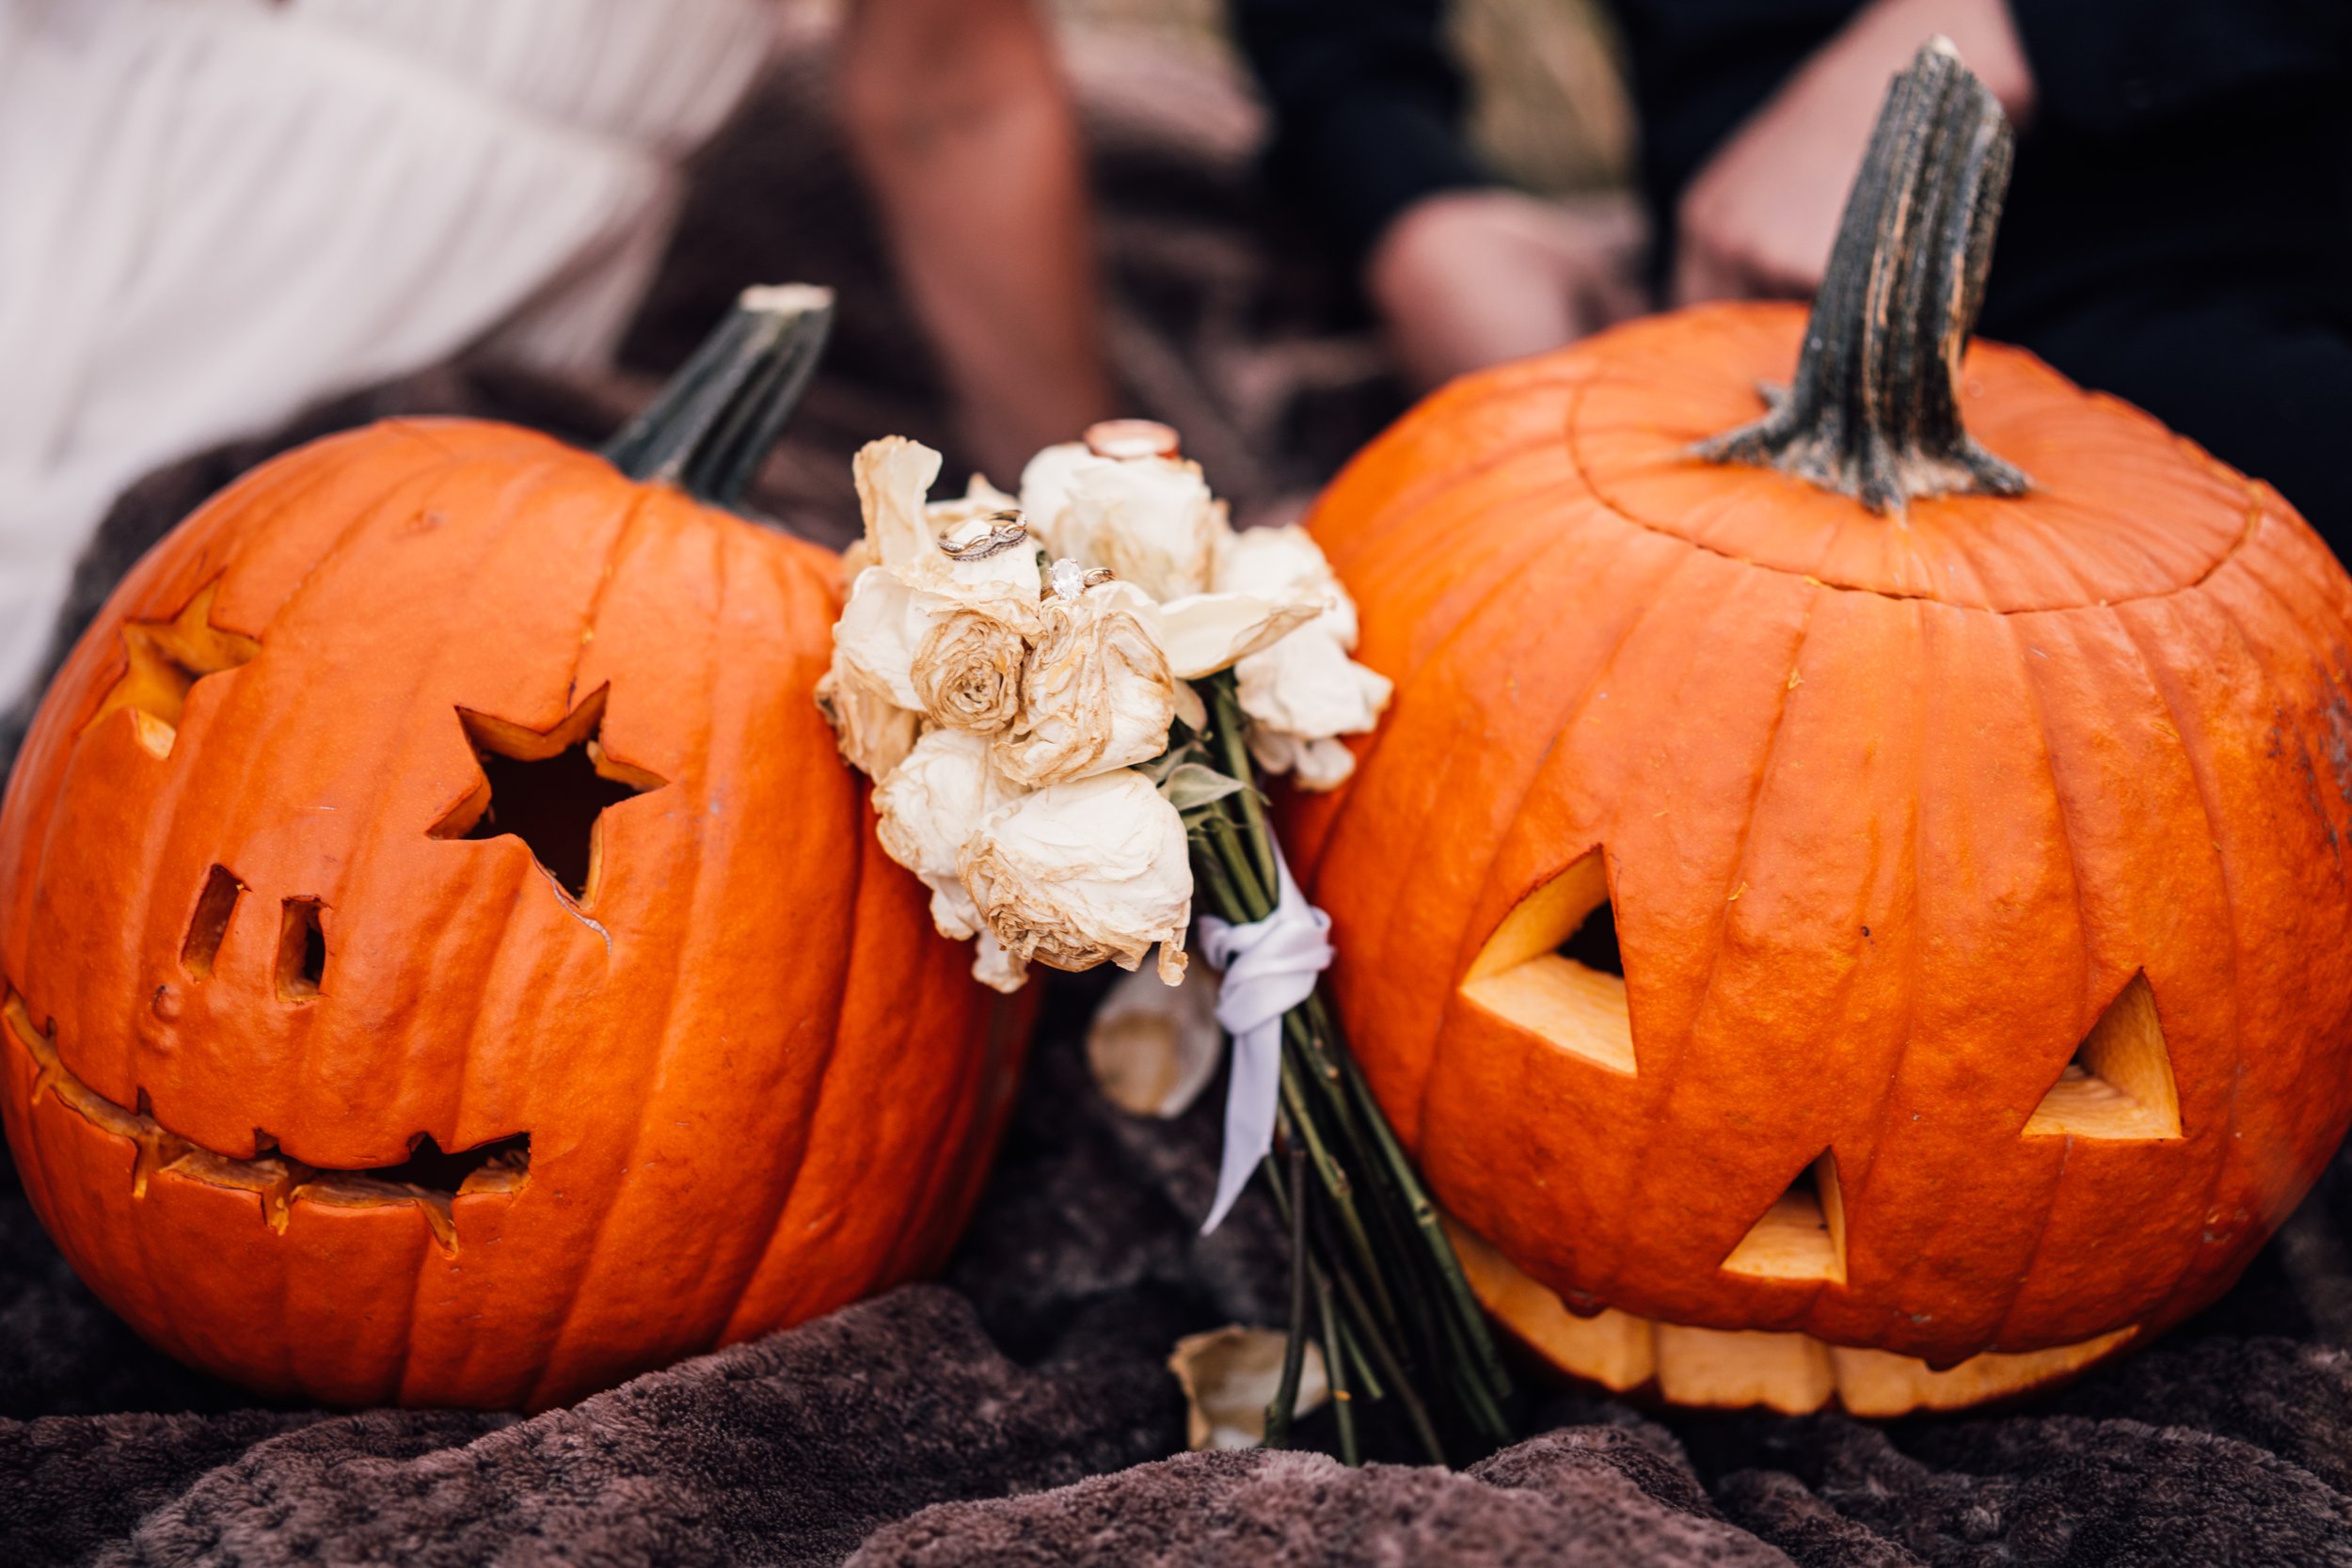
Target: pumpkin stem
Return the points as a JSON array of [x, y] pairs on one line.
[[711, 427], [1874, 412]]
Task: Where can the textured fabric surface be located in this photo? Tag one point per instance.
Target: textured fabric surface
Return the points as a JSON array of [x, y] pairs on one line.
[[1018, 1411]]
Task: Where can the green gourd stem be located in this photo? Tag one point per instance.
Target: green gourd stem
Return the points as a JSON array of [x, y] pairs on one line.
[[710, 429], [1874, 411]]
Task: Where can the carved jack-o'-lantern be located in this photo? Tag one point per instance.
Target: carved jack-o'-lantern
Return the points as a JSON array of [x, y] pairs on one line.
[[445, 958], [1840, 911]]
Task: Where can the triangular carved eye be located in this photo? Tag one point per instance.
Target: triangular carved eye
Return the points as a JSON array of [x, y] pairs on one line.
[[1552, 968], [1803, 1235], [2120, 1084]]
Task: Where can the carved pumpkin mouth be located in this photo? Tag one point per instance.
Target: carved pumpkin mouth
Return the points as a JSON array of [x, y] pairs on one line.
[[429, 1179]]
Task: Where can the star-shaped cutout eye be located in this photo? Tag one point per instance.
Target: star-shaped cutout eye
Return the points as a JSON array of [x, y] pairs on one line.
[[549, 789], [167, 657]]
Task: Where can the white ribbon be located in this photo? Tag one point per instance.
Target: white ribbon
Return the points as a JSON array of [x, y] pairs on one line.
[[1270, 967]]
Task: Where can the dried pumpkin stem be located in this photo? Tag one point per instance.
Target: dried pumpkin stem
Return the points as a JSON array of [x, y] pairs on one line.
[[1874, 411], [712, 426]]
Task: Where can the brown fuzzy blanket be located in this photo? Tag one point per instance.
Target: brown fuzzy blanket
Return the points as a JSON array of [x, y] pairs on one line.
[[1018, 1412]]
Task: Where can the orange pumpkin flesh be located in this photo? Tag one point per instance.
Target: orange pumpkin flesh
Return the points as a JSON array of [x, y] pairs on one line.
[[271, 946], [1978, 873]]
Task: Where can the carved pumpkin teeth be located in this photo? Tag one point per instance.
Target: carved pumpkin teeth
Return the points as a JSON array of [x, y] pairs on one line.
[[1793, 1373], [428, 1177]]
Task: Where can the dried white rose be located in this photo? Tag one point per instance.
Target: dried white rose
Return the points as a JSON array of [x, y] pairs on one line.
[[894, 475], [1150, 519], [1300, 694], [1045, 491], [874, 733], [1083, 871], [1286, 564], [1229, 1375], [1095, 695], [930, 807], [967, 673], [1154, 1048]]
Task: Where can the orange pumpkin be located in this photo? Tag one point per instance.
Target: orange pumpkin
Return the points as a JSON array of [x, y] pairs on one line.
[[1840, 911], [446, 960]]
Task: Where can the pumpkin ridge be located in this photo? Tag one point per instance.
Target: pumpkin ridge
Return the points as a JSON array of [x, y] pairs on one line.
[[1413, 498], [1912, 951], [787, 1183], [1465, 948], [719, 1299], [2023, 1274], [2238, 629], [645, 1100], [2193, 757], [623, 537], [361, 520], [1505, 566], [915, 1217], [1407, 680], [1667, 1072]]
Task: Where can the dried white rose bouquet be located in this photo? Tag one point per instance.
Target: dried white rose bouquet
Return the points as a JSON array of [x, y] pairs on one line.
[[1010, 675], [1065, 701]]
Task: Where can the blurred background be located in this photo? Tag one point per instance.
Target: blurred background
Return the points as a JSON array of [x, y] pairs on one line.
[[1218, 313], [229, 226]]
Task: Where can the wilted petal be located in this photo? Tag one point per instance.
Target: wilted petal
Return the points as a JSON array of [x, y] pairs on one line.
[[995, 968], [1154, 1047], [1204, 633], [1286, 564], [1084, 871], [1095, 695], [894, 475], [1229, 1375], [1318, 764], [1045, 491], [879, 631], [930, 807], [1307, 684], [874, 733]]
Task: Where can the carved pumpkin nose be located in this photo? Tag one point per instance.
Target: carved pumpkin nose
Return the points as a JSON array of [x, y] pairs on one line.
[[547, 787]]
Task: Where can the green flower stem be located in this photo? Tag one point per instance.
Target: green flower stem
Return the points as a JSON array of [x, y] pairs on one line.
[[1335, 1372], [1416, 1411], [1467, 1315], [1278, 1414], [1227, 721], [1392, 1307]]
